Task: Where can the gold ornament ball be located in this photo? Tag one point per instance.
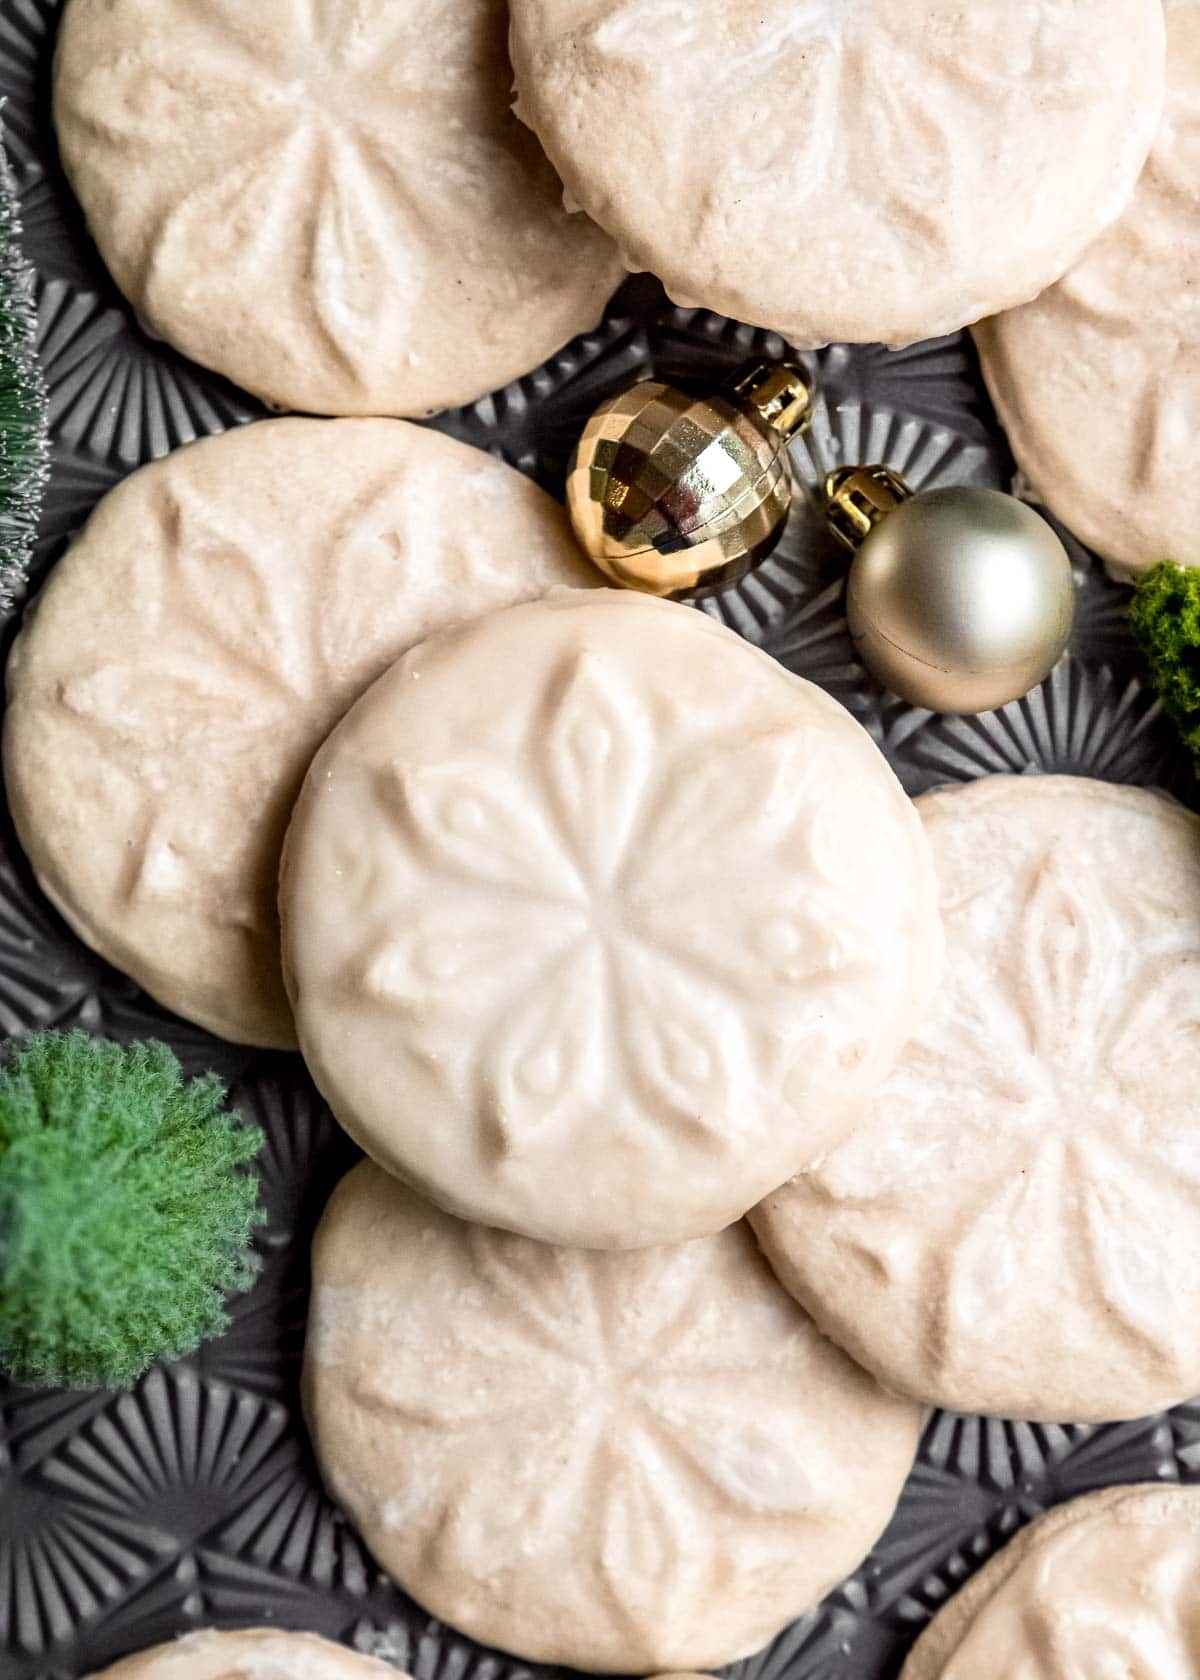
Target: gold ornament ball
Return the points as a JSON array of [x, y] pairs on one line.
[[681, 496], [959, 599]]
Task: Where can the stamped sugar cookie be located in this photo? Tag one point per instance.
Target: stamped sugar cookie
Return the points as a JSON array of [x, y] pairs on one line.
[[252, 1654], [1098, 382], [1014, 1227], [623, 1462], [218, 615], [1107, 1585], [598, 923], [846, 169], [331, 204]]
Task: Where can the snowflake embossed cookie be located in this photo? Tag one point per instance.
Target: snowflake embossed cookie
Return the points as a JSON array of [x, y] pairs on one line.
[[846, 169], [598, 923], [1097, 382], [331, 204], [626, 1462], [220, 612], [1106, 1587], [1014, 1227], [250, 1654]]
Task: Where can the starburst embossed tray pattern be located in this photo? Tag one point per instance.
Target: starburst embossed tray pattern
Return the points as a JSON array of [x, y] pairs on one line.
[[194, 1500]]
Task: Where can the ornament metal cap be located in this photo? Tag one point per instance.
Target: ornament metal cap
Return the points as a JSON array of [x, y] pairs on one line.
[[779, 392], [958, 599], [681, 496], [858, 498]]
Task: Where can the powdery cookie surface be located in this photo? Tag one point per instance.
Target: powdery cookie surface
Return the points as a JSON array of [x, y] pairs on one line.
[[846, 169], [1015, 1226], [329, 201], [598, 923], [1106, 1585], [219, 613], [253, 1654], [623, 1462], [1098, 382]]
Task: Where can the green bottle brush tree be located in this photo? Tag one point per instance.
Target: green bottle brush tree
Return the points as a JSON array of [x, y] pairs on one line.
[[1165, 621], [24, 451], [126, 1212]]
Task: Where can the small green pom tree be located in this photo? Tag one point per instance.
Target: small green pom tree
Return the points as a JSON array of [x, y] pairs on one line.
[[1165, 620], [125, 1215]]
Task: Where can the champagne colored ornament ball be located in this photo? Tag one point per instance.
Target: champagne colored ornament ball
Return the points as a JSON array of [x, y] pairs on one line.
[[958, 599], [682, 496]]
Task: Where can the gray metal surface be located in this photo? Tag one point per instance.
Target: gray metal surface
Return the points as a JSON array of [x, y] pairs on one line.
[[193, 1500]]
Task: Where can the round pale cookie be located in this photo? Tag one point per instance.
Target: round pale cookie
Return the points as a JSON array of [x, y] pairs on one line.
[[1014, 1227], [1108, 1585], [219, 613], [623, 1462], [331, 204], [598, 923], [846, 169], [250, 1654], [1098, 382]]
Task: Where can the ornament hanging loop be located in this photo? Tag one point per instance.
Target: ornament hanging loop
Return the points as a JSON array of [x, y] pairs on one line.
[[779, 393], [857, 498]]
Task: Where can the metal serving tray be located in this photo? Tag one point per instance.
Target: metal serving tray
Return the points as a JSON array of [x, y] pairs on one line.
[[193, 1500]]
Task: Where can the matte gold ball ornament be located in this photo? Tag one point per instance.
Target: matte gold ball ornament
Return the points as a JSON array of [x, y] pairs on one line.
[[958, 599], [681, 496]]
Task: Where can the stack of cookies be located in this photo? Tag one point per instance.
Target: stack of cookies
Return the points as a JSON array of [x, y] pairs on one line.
[[597, 926], [723, 1108]]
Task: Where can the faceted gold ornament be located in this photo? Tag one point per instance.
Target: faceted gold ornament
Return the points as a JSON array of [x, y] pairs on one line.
[[958, 599], [681, 496]]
